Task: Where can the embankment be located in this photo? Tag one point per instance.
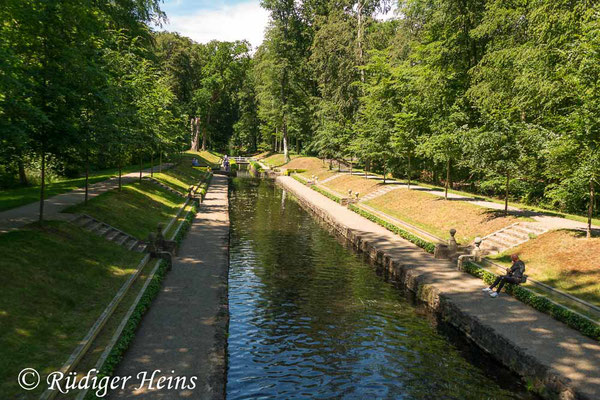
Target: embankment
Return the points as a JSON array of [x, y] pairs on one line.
[[551, 358]]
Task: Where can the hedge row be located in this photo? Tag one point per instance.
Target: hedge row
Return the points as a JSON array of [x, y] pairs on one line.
[[540, 303], [289, 172], [425, 245], [116, 354]]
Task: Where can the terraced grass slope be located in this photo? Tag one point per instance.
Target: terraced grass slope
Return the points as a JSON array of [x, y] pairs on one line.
[[563, 259], [56, 281], [183, 175], [136, 210], [437, 216]]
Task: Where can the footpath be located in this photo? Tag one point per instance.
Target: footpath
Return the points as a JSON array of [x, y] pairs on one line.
[[543, 220], [558, 361], [185, 329], [53, 206]]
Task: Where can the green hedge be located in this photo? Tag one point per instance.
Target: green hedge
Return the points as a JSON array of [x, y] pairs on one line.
[[540, 303], [116, 354], [326, 193], [425, 245], [289, 172]]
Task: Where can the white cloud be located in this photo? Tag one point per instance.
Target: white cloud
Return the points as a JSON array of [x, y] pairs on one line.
[[243, 21]]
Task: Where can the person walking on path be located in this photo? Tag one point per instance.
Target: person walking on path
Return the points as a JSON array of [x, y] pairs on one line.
[[514, 275]]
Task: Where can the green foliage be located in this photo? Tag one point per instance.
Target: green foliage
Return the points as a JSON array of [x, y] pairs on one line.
[[427, 246], [117, 352], [540, 303]]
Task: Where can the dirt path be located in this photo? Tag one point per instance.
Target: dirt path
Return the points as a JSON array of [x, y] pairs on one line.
[[525, 340], [185, 329], [546, 221], [18, 217]]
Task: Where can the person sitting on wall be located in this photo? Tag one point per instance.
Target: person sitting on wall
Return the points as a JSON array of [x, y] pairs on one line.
[[514, 275], [195, 162]]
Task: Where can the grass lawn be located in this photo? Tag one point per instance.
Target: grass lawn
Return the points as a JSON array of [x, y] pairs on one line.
[[182, 176], [563, 259], [277, 160], [136, 210], [207, 157], [312, 165], [17, 197], [355, 183], [437, 216], [56, 281]]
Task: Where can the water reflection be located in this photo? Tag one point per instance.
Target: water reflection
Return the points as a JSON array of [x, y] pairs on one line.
[[310, 319]]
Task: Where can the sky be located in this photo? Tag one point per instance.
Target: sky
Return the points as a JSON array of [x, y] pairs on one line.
[[226, 20]]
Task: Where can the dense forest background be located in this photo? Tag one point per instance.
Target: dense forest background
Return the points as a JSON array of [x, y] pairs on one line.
[[499, 97]]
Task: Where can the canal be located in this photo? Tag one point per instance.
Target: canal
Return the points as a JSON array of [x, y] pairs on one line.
[[309, 318]]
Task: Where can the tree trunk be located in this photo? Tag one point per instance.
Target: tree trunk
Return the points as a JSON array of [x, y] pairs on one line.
[[297, 146], [140, 167], [120, 174], [87, 178], [152, 164], [447, 179], [286, 153], [590, 209], [506, 194], [359, 39], [160, 162], [204, 134], [22, 174], [43, 185], [384, 170], [409, 171], [351, 161]]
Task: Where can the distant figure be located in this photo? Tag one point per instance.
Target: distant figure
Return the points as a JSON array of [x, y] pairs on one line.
[[195, 162], [514, 275], [226, 163]]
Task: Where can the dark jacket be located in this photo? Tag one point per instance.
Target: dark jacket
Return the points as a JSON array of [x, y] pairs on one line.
[[517, 270]]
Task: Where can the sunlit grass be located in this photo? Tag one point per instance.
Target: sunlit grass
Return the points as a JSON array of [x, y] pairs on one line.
[[563, 259], [12, 198], [56, 281], [136, 210]]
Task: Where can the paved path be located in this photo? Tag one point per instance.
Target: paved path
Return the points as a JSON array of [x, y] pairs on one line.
[[507, 323], [543, 220], [18, 217], [185, 329]]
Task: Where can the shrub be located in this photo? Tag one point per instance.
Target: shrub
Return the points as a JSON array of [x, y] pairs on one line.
[[425, 245], [540, 303]]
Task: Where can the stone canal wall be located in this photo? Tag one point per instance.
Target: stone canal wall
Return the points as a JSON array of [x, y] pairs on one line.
[[552, 359]]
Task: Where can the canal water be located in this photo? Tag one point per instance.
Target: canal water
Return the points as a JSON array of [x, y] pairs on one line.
[[309, 318]]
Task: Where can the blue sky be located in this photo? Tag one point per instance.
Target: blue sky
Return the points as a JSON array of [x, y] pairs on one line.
[[228, 20], [206, 20]]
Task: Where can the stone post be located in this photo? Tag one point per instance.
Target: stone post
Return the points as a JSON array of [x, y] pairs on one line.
[[476, 253], [452, 245]]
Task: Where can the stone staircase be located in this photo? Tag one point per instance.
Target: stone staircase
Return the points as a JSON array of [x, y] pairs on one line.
[[511, 236], [162, 185], [109, 233], [380, 192]]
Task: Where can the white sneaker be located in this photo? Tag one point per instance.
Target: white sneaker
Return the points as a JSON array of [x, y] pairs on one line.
[[494, 294], [487, 289]]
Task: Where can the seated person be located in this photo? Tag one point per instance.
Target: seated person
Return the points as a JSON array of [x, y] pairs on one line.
[[514, 275], [195, 162]]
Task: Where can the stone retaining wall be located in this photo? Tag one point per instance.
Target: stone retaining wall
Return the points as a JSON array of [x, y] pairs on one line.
[[539, 377]]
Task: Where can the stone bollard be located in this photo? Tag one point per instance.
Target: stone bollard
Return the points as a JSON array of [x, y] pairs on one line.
[[462, 260], [477, 252], [356, 194], [452, 245]]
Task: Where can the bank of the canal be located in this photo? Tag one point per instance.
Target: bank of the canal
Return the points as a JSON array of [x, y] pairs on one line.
[[555, 360], [311, 318], [184, 333]]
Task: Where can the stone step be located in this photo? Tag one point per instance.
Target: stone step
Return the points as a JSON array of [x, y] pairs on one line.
[[121, 238], [517, 235], [507, 237], [112, 234], [131, 243], [109, 233]]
